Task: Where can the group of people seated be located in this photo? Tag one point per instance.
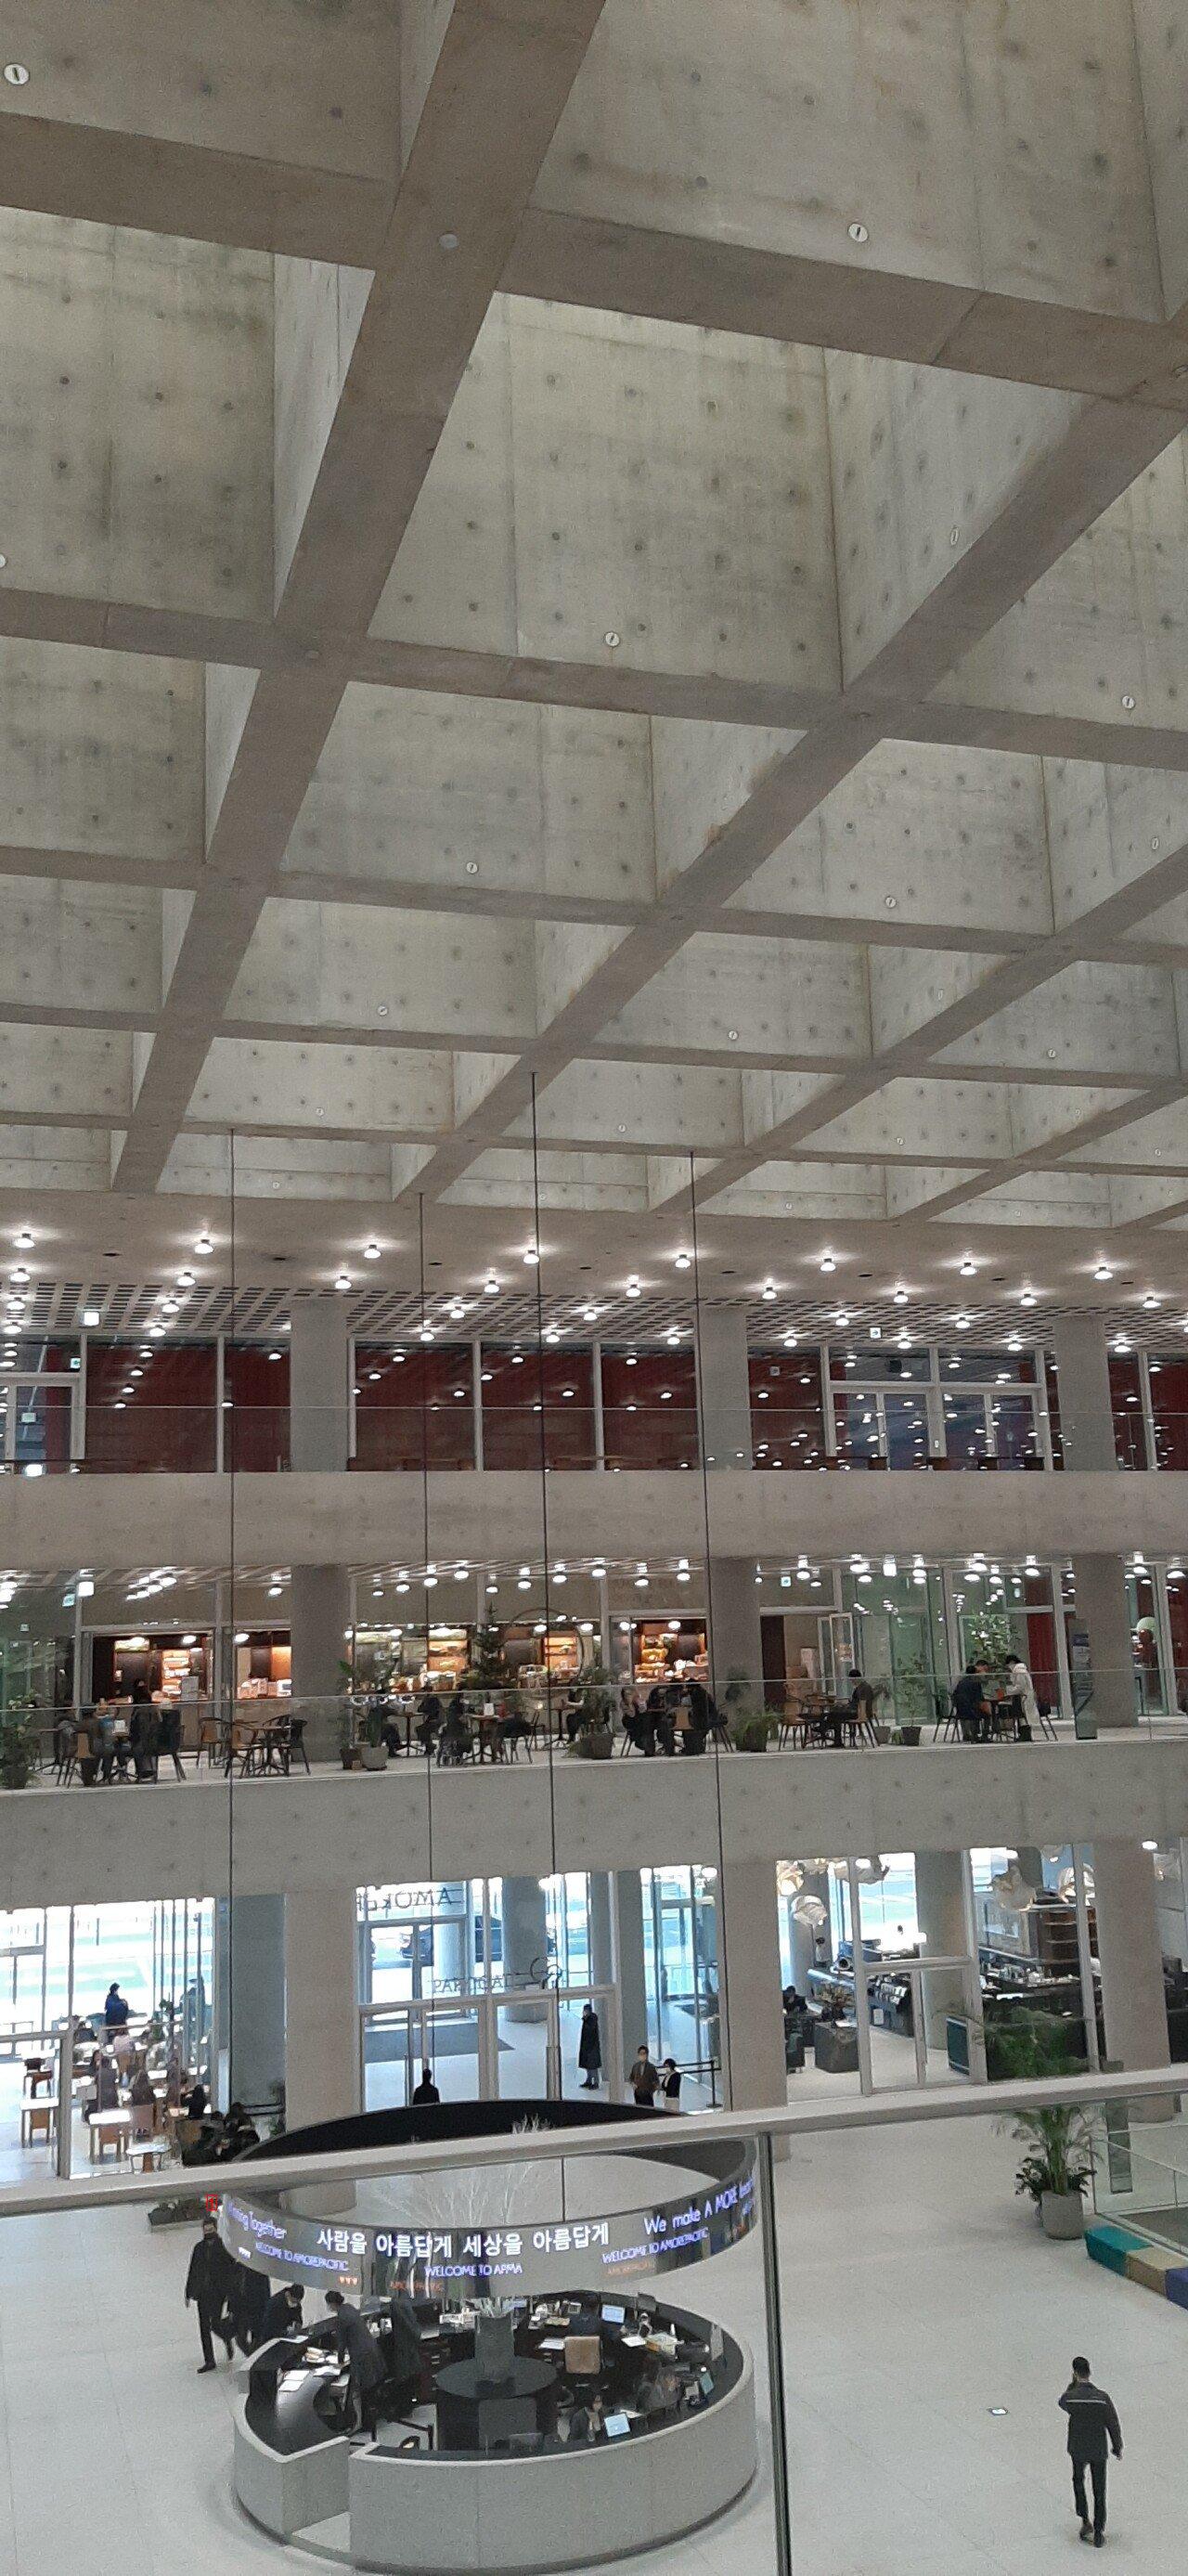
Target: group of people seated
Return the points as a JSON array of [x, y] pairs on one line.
[[984, 1704], [672, 1715], [118, 1740]]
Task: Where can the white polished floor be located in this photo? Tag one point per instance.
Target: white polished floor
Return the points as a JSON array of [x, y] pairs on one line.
[[917, 2294]]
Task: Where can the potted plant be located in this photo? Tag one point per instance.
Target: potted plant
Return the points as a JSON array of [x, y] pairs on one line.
[[1056, 2171], [751, 1730], [16, 1748], [908, 1734], [373, 1752]]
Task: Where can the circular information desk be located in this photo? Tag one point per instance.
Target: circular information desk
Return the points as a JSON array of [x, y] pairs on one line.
[[488, 2463]]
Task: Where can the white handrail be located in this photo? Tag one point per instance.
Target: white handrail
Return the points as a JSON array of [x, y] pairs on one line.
[[636, 2135]]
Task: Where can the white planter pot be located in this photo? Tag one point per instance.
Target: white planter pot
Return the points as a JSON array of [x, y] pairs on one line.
[[1062, 2215], [374, 1757]]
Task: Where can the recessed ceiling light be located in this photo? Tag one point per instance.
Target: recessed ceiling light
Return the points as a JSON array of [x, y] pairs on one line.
[[447, 241], [20, 1275], [1103, 1271], [531, 1256], [768, 1292], [682, 1260], [963, 1322], [1150, 1301], [90, 1317], [185, 1278], [427, 1333], [371, 1252], [16, 75], [1027, 1296], [899, 1297], [491, 1285], [24, 1240], [343, 1280], [827, 1261], [969, 1268], [632, 1288], [790, 1341], [203, 1245]]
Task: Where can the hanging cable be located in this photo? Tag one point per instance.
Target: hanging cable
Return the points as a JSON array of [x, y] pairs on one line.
[[544, 1496], [230, 1691], [699, 1382], [424, 1381]]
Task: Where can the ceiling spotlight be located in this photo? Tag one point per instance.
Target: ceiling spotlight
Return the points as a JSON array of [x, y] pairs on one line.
[[827, 1261], [790, 1341], [1150, 1301], [19, 1276], [768, 1292], [371, 1251], [24, 1240], [632, 1288], [1103, 1271], [491, 1285], [963, 1322], [428, 1333], [185, 1278], [531, 1255], [842, 1317], [1014, 1343], [1027, 1296], [343, 1280], [969, 1268], [682, 1260], [899, 1297], [203, 1245], [90, 1317]]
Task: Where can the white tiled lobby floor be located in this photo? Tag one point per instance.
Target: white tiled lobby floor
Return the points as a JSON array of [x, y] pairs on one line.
[[917, 2294]]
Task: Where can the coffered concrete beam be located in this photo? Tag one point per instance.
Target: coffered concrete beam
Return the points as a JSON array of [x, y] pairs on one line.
[[494, 89]]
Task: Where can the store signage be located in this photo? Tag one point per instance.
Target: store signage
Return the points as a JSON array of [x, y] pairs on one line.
[[505, 2261]]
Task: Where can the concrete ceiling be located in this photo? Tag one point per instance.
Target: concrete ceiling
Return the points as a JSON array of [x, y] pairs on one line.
[[582, 550]]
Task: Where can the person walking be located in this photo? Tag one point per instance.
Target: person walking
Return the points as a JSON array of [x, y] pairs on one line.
[[206, 2289], [644, 2078], [590, 2049], [1093, 2432]]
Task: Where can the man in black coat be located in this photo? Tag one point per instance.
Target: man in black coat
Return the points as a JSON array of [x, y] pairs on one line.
[[356, 2345], [282, 2316], [1093, 2432], [207, 2284]]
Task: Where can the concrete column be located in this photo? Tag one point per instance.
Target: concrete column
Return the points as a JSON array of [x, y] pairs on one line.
[[525, 1940], [751, 1986], [1081, 1352], [1129, 1955], [256, 1997], [1102, 1610], [940, 1905], [319, 1435], [725, 1386], [322, 2021], [735, 1638]]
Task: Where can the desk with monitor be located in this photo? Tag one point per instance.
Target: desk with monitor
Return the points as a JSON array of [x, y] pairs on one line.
[[510, 2472]]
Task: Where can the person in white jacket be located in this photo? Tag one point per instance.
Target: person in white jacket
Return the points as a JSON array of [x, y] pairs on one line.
[[1020, 1686]]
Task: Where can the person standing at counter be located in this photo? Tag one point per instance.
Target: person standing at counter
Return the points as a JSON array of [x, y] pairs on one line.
[[644, 2078], [406, 2343], [206, 2289], [282, 2316], [590, 2049], [357, 2347]]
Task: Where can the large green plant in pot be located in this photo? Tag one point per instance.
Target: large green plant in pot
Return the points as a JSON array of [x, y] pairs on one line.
[[1057, 2168]]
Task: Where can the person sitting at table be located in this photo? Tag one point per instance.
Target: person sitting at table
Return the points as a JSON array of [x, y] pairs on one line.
[[140, 2090], [116, 2008], [971, 1708], [196, 2101], [587, 2421], [702, 1715], [106, 2096], [143, 1732], [656, 2391], [457, 1737], [570, 1714], [241, 2130], [1021, 1688], [124, 2054], [426, 2090], [862, 1698], [660, 1711], [169, 1735], [429, 1720]]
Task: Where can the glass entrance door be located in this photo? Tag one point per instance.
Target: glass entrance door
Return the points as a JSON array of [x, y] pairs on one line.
[[527, 2053], [37, 1422], [445, 2033]]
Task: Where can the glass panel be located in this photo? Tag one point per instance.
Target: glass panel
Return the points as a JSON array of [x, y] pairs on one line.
[[1168, 1377], [515, 1387], [398, 2045], [522, 2031], [905, 1424], [856, 1419], [987, 1368], [1130, 1430], [787, 1418], [1013, 1424], [414, 1407], [1149, 1678], [151, 1407], [866, 1362], [649, 1409], [967, 1441], [256, 1408]]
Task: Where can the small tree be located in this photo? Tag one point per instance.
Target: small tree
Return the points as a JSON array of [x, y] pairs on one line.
[[991, 1637]]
